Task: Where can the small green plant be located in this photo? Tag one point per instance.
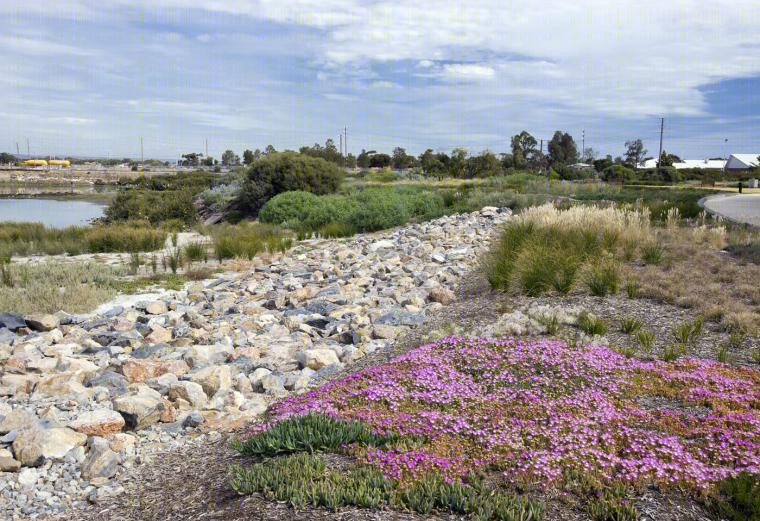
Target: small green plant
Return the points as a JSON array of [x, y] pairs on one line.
[[723, 353], [630, 325], [653, 254], [689, 332], [134, 263], [313, 433], [611, 508], [646, 340], [674, 352], [631, 289], [739, 498], [736, 338], [603, 278], [756, 355], [153, 263], [174, 259], [629, 249], [174, 239], [550, 322], [591, 324], [6, 279], [195, 251]]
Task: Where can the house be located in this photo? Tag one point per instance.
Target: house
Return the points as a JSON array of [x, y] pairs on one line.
[[709, 164], [740, 163]]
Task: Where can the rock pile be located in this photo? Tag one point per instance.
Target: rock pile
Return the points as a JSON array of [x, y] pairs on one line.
[[84, 397]]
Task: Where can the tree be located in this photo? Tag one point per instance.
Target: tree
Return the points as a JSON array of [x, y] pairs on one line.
[[362, 160], [380, 161], [5, 157], [269, 150], [249, 157], [562, 149], [668, 159], [635, 152], [588, 157], [401, 160], [523, 147], [229, 158], [484, 164], [208, 161], [432, 164], [600, 165], [192, 159]]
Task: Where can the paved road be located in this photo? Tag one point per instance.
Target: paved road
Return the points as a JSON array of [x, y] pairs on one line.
[[739, 208]]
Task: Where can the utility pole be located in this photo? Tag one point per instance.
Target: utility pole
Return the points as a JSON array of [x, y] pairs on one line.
[[583, 147], [662, 130], [142, 154], [17, 153], [206, 147], [541, 149], [345, 139], [27, 148], [341, 148]]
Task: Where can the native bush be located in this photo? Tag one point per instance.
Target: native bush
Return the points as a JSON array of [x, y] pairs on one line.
[[739, 498], [152, 206], [591, 324], [630, 325], [284, 172]]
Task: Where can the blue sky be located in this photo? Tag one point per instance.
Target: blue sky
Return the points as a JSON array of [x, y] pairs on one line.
[[89, 78]]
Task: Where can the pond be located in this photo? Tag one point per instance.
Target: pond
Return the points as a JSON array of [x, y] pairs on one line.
[[50, 212]]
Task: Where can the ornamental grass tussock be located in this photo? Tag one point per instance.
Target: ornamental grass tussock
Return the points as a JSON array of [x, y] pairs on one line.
[[540, 415]]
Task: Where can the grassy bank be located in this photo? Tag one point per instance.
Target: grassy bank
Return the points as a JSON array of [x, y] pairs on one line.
[[21, 239]]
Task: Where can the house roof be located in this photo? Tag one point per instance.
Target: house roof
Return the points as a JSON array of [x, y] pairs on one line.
[[700, 163], [742, 160]]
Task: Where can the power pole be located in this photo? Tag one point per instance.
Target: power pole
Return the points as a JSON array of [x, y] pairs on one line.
[[142, 154], [662, 130], [27, 148], [583, 147], [541, 149], [206, 147], [341, 149], [17, 153], [345, 139]]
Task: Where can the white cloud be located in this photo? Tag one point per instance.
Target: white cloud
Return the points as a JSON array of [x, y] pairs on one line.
[[469, 71]]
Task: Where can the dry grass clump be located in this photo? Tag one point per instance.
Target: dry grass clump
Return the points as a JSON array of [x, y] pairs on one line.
[[51, 287], [548, 249]]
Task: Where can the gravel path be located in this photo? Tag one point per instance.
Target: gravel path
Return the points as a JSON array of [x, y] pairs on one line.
[[740, 208]]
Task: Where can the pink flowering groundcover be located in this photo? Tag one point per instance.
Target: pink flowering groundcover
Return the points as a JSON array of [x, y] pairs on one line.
[[540, 411]]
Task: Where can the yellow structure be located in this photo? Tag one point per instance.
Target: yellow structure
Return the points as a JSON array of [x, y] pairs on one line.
[[59, 162], [35, 162]]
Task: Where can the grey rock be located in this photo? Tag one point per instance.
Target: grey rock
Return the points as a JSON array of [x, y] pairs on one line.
[[12, 321], [399, 317], [114, 382], [193, 420], [101, 461], [152, 350]]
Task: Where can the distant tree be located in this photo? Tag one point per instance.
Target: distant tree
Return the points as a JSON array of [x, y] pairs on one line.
[[269, 150], [600, 165], [507, 160], [635, 152], [230, 158], [523, 147], [456, 162], [538, 160], [249, 157], [362, 160], [380, 161], [192, 159], [562, 149], [5, 158], [588, 156], [350, 161], [433, 164], [485, 164], [617, 173], [668, 159], [208, 161], [401, 160]]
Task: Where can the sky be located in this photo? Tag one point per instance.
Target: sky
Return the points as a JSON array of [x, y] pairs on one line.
[[91, 78]]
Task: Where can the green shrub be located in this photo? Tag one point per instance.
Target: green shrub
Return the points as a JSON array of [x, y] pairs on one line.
[[195, 251], [284, 172], [689, 332], [603, 278], [288, 206], [674, 352], [152, 206], [631, 289], [591, 324], [739, 498], [245, 241], [653, 254], [646, 340], [630, 325]]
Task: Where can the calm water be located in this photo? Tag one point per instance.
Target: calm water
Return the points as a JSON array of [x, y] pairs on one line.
[[50, 212]]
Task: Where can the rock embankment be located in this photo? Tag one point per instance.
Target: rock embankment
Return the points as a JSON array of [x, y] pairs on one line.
[[84, 398]]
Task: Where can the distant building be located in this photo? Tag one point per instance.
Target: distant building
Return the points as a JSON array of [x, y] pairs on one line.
[[582, 167], [716, 164], [740, 163]]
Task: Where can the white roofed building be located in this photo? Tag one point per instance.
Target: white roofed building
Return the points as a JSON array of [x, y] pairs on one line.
[[741, 162]]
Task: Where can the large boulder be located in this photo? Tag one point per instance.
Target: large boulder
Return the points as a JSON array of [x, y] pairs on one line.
[[101, 462], [100, 422], [157, 307], [443, 295], [141, 406], [32, 446], [317, 358], [18, 420], [42, 322], [213, 378], [140, 370], [192, 392], [62, 384], [12, 321]]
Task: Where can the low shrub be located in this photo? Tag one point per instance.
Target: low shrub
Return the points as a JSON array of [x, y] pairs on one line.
[[630, 325], [152, 206], [689, 332], [196, 251], [653, 254], [646, 340], [603, 278], [246, 240], [591, 324], [739, 498]]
